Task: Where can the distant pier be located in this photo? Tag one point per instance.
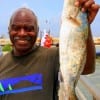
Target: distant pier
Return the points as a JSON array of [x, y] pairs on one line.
[[4, 41]]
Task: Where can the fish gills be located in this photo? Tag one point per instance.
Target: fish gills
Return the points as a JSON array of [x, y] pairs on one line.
[[72, 43]]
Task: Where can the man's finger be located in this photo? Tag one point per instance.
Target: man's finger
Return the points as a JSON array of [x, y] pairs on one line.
[[95, 6], [95, 9], [87, 5], [80, 2]]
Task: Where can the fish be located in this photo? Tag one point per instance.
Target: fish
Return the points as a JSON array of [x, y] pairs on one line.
[[72, 47]]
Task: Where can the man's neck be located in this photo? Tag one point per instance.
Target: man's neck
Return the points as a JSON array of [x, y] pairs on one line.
[[21, 52]]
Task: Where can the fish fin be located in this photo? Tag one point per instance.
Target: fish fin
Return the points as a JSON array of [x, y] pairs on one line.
[[74, 21]]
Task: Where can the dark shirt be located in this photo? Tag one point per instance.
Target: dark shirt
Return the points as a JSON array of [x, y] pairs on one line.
[[30, 77]]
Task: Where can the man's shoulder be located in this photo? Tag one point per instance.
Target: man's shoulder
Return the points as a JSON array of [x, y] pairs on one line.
[[49, 51], [4, 60], [5, 56]]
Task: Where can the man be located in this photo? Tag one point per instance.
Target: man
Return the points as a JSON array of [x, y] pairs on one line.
[[30, 72]]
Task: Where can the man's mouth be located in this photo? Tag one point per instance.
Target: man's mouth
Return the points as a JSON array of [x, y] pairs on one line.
[[27, 38], [22, 41]]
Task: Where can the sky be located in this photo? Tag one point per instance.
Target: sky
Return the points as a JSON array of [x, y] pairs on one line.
[[47, 11]]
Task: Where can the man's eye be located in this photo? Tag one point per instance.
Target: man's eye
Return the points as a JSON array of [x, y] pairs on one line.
[[29, 28], [15, 28]]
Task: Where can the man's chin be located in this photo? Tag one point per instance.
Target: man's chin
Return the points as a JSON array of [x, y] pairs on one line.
[[22, 50]]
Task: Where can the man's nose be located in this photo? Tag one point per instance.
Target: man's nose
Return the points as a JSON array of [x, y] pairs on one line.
[[22, 32]]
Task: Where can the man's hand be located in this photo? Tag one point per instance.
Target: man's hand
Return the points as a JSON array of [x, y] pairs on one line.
[[90, 7]]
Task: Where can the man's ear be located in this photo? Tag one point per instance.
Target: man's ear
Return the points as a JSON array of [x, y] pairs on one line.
[[8, 29]]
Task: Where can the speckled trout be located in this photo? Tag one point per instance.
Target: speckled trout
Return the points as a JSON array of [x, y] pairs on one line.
[[72, 42]]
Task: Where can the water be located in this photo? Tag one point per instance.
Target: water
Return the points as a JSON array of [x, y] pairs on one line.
[[94, 78], [97, 48]]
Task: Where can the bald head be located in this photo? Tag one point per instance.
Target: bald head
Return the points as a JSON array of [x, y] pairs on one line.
[[26, 14], [23, 31]]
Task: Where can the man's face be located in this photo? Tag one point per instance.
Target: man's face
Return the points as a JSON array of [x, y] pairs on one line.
[[23, 31]]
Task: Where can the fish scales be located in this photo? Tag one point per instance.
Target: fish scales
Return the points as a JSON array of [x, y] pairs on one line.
[[72, 43]]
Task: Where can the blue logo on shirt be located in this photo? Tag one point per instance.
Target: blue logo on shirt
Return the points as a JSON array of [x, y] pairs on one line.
[[6, 85]]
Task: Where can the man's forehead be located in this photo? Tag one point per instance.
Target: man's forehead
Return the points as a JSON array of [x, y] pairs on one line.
[[23, 15], [24, 12]]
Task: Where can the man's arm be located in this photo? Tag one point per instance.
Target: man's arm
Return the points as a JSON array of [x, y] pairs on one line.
[[92, 8], [91, 55]]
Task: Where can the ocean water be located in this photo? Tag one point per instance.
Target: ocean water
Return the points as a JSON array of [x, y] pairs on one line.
[[97, 48], [93, 78], [98, 57]]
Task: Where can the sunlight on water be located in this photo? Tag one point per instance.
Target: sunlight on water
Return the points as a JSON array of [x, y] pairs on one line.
[[94, 78], [97, 48], [98, 57]]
